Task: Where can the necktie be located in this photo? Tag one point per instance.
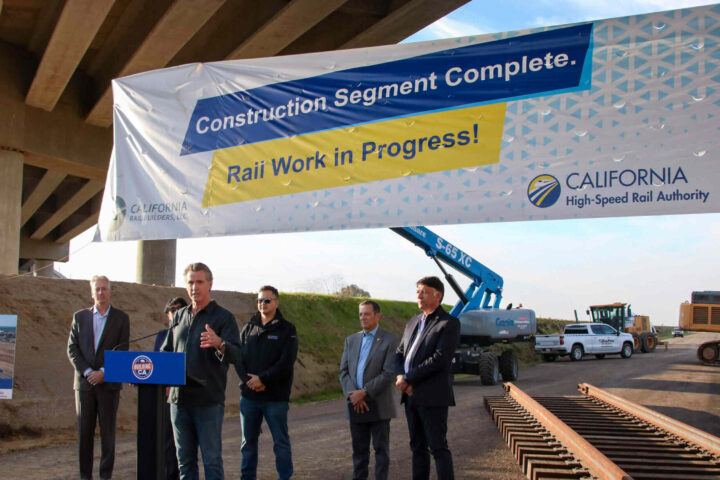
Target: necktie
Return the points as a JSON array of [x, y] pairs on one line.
[[364, 351]]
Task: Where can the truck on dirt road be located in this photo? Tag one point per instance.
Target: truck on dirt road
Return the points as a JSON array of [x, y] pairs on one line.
[[619, 316], [580, 339]]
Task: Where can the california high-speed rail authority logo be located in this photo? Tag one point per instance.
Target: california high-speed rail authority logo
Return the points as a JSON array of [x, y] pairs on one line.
[[142, 367], [544, 191]]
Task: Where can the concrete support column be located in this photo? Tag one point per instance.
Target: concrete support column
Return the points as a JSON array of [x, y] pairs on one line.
[[44, 268], [11, 180], [156, 262]]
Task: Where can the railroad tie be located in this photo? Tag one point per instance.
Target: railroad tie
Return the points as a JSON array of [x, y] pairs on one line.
[[597, 436]]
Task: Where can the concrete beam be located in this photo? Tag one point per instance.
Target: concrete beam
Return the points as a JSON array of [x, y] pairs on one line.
[[403, 22], [181, 21], [59, 140], [76, 201], [11, 175], [79, 228], [66, 49], [44, 250], [44, 189], [67, 167], [286, 26], [156, 262]]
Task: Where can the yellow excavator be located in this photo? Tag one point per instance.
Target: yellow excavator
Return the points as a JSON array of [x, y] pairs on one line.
[[703, 315], [623, 320]]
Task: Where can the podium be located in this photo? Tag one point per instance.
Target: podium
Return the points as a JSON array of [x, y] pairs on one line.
[[151, 372]]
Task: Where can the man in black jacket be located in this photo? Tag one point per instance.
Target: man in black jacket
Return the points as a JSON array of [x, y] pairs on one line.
[[208, 335], [423, 360], [268, 348]]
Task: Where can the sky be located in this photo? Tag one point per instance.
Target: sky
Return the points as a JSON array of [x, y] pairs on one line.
[[555, 267]]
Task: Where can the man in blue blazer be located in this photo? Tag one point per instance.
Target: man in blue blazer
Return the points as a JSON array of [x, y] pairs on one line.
[[94, 330], [423, 360], [367, 372]]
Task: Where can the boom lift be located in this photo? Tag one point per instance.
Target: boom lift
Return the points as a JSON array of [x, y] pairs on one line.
[[482, 322], [703, 315]]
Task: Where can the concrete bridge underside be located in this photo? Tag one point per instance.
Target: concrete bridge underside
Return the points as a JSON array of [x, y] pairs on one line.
[[57, 58]]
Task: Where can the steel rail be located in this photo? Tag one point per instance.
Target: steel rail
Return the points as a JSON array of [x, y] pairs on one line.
[[690, 434], [596, 462]]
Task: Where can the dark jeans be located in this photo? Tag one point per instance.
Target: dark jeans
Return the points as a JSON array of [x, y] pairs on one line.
[[251, 417], [172, 471], [360, 434], [96, 404], [428, 432], [198, 426]]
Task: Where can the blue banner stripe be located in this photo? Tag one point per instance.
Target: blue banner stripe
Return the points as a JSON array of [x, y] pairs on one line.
[[524, 66]]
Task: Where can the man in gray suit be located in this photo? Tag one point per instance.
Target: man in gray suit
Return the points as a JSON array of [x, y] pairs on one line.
[[367, 374], [95, 330]]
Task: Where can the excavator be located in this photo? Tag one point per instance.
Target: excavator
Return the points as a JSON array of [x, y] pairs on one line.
[[703, 315], [482, 321]]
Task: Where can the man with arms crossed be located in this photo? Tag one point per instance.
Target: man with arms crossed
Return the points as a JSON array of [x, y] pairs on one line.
[[423, 360], [208, 335], [93, 331], [265, 365], [367, 372]]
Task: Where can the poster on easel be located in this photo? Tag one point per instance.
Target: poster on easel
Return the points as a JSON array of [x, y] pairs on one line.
[[8, 335]]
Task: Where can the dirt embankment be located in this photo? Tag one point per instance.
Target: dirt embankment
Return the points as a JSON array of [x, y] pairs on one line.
[[43, 400]]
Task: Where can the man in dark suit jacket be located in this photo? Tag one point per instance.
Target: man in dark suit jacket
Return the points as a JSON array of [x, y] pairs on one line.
[[422, 361], [367, 371], [93, 331]]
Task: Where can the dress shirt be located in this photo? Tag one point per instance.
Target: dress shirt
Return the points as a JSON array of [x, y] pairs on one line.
[[367, 342], [99, 321], [411, 352]]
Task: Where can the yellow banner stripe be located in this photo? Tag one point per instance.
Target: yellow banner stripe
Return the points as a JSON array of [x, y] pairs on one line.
[[379, 151]]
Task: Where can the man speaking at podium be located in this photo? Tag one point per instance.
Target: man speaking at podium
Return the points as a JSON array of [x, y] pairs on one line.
[[93, 331], [208, 335]]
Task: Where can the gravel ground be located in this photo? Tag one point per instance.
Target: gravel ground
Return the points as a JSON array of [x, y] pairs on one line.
[[670, 381]]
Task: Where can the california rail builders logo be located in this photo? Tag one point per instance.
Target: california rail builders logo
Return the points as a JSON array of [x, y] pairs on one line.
[[118, 214], [544, 191], [142, 367]]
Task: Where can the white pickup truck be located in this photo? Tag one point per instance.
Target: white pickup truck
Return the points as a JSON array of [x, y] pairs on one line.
[[580, 339]]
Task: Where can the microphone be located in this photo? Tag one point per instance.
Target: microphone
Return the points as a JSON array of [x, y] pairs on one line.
[[137, 339]]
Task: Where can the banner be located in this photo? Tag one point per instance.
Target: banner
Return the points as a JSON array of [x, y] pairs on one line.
[[615, 117], [8, 334]]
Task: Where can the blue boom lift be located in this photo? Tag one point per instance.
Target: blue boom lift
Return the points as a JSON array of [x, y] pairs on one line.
[[482, 321]]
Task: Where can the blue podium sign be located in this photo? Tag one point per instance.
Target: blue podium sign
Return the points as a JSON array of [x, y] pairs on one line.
[[158, 368]]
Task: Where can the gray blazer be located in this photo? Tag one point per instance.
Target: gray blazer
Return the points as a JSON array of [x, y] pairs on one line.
[[379, 374]]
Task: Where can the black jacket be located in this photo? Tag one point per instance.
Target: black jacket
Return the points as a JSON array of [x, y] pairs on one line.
[[268, 351], [205, 369], [429, 372]]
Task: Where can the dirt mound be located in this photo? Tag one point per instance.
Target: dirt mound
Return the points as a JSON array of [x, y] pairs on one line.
[[43, 398]]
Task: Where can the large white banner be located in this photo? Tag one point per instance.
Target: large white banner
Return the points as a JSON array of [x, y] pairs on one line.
[[617, 117]]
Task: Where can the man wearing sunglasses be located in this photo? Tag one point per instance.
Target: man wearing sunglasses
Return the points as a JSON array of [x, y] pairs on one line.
[[268, 348]]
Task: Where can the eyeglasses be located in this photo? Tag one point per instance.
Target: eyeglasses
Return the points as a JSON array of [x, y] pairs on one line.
[[265, 300]]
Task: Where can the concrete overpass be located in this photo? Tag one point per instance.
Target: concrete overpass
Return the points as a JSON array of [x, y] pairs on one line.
[[57, 58]]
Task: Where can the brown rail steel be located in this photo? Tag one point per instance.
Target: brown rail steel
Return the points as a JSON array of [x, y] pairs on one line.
[[539, 454], [690, 434], [597, 463]]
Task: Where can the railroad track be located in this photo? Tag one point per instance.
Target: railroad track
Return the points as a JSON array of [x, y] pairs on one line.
[[600, 436]]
